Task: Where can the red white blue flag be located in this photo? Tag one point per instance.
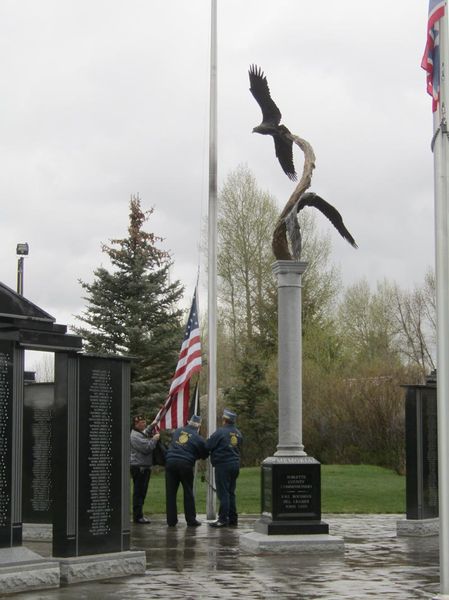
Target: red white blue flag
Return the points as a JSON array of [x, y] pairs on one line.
[[431, 58], [175, 412]]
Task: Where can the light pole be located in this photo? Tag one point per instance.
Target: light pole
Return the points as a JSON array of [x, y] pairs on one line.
[[21, 251]]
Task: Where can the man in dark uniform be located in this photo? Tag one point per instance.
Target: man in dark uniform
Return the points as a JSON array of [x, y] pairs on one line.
[[186, 447], [224, 446]]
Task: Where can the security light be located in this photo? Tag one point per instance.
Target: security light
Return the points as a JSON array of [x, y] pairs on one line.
[[22, 249]]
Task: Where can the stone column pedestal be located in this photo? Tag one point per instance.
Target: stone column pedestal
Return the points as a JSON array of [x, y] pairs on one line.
[[289, 357], [291, 480]]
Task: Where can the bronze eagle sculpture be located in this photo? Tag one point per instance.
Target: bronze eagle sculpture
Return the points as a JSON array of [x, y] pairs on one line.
[[271, 118], [329, 211], [283, 143]]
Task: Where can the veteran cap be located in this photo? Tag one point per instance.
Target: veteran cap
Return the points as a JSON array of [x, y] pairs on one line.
[[229, 415], [195, 420]]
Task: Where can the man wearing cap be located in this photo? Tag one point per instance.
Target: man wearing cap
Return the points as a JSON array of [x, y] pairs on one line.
[[186, 447], [141, 458], [224, 446]]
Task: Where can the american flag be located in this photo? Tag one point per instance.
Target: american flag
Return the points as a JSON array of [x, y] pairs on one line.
[[175, 412], [431, 58]]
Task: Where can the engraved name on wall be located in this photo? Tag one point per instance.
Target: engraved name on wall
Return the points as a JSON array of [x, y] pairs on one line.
[[41, 430], [5, 428], [100, 452]]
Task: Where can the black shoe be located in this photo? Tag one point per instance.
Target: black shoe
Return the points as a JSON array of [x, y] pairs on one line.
[[194, 524], [218, 524], [233, 524], [142, 521], [171, 524]]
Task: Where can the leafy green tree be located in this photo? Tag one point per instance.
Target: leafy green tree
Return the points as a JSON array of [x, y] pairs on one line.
[[246, 286], [368, 324], [132, 309]]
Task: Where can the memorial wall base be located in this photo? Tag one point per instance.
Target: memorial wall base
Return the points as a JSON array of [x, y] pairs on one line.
[[21, 570], [37, 532], [102, 566], [417, 527]]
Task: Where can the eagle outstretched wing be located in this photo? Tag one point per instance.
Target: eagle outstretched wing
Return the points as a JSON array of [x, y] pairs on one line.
[[284, 152], [261, 92], [311, 199]]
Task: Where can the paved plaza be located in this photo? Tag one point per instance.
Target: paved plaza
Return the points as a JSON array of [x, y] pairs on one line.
[[207, 563]]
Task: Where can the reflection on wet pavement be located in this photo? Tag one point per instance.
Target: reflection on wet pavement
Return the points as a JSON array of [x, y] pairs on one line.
[[206, 563]]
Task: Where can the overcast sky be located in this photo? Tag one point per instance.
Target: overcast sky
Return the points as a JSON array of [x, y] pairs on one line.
[[102, 99]]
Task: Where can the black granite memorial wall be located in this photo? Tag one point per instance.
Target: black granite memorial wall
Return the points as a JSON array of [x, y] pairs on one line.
[[91, 458], [23, 325], [38, 404], [421, 448], [6, 395], [11, 399]]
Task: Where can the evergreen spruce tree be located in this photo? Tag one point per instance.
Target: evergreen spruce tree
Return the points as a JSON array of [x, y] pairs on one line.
[[132, 309]]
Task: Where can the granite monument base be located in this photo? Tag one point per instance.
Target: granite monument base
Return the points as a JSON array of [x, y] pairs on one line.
[[23, 570], [267, 526], [291, 497], [417, 527], [291, 510], [259, 543], [77, 569]]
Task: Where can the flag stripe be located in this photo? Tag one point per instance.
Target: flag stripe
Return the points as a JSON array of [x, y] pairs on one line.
[[187, 345], [193, 365], [177, 414], [186, 356]]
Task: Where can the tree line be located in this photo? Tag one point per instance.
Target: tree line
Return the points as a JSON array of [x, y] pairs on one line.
[[360, 344]]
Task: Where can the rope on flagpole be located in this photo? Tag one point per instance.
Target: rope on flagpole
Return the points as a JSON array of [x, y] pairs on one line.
[[209, 484], [442, 128], [434, 137]]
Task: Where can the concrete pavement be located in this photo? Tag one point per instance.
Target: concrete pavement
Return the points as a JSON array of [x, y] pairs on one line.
[[207, 563]]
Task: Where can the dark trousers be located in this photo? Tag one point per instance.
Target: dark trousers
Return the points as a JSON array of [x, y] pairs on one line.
[[141, 479], [179, 473], [225, 481]]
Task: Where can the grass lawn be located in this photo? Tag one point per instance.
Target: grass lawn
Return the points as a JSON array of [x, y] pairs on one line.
[[344, 489]]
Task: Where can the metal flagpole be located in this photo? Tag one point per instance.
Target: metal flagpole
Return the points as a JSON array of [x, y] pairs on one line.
[[195, 412], [212, 257], [441, 186]]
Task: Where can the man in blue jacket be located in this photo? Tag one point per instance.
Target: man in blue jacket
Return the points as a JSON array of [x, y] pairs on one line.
[[186, 447], [224, 446]]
